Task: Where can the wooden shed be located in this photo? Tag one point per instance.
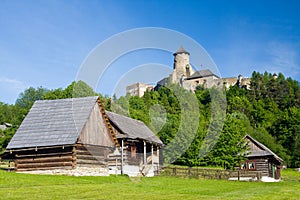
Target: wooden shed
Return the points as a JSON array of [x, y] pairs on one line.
[[141, 147], [261, 158], [66, 136]]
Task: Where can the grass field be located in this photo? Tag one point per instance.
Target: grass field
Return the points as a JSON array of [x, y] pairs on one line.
[[26, 186]]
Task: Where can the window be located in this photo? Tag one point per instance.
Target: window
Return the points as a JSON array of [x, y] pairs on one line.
[[244, 166], [249, 165]]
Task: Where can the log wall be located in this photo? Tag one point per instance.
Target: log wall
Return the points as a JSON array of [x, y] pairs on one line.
[[263, 166], [78, 160], [45, 158], [92, 156]]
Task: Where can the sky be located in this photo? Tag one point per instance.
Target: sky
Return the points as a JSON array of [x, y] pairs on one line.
[[44, 43]]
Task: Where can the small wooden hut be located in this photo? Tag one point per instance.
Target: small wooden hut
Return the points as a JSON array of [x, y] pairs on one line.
[[68, 136], [261, 158], [141, 147]]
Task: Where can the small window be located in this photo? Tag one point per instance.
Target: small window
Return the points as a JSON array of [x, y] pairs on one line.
[[244, 166], [251, 165]]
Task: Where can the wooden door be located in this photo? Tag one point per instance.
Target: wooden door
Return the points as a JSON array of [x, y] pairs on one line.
[[133, 151]]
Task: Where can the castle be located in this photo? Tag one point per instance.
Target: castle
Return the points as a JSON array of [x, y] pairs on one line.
[[184, 75]]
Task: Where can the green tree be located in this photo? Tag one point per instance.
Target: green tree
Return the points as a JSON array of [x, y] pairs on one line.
[[74, 90], [54, 94], [121, 105], [138, 109], [286, 131], [230, 149], [78, 89], [29, 96]]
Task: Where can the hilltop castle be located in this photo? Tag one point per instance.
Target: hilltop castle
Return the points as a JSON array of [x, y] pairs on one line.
[[184, 75]]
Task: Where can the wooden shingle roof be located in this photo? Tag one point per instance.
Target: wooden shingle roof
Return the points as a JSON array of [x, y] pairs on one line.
[[60, 122], [53, 122], [133, 129]]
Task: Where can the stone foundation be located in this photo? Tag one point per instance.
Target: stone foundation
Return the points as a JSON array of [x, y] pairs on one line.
[[78, 171]]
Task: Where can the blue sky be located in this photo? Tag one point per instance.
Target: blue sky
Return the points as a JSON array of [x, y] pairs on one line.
[[44, 43]]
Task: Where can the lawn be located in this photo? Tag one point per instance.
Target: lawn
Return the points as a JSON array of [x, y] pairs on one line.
[[26, 186]]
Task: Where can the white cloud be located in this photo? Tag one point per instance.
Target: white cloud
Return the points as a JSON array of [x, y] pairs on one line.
[[12, 83], [244, 57], [10, 89]]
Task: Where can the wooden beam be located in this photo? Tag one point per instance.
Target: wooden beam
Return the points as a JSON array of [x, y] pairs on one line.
[[107, 123], [89, 157], [44, 168], [145, 153], [122, 156], [43, 154], [45, 159], [44, 164], [152, 156], [94, 162], [41, 148]]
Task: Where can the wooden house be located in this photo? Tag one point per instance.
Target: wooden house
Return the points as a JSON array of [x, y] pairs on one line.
[[71, 136], [261, 158]]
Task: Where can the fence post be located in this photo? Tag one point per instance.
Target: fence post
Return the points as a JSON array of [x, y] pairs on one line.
[[238, 175], [258, 176]]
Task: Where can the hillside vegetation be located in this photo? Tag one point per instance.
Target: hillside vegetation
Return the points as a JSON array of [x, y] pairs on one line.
[[269, 111]]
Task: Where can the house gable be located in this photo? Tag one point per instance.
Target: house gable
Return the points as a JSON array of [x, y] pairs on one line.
[[253, 146], [95, 131]]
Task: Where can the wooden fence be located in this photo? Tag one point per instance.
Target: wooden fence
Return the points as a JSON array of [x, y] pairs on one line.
[[203, 173], [7, 166]]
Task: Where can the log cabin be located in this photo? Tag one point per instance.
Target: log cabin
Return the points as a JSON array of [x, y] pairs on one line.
[[76, 137], [261, 158]]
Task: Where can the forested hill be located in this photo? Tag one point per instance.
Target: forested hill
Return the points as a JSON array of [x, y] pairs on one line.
[[269, 111]]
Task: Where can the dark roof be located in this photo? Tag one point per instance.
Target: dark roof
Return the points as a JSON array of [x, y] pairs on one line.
[[201, 74], [133, 129], [265, 150], [53, 122], [163, 81], [181, 50]]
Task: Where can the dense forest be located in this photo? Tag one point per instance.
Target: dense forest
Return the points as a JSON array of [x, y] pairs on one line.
[[269, 111]]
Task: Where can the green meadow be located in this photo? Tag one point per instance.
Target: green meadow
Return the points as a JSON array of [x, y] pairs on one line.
[[27, 186]]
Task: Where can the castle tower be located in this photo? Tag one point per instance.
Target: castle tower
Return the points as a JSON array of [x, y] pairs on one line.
[[182, 67], [181, 59]]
